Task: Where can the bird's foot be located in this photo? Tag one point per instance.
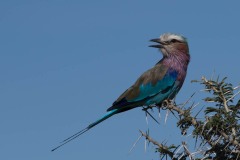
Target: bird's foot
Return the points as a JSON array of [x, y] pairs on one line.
[[148, 107], [166, 103]]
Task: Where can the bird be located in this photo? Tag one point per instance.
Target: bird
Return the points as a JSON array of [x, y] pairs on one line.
[[161, 82]]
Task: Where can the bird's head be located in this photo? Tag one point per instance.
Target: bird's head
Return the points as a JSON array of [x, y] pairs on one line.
[[171, 44]]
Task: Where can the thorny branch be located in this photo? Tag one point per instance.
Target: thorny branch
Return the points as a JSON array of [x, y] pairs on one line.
[[220, 131], [160, 146]]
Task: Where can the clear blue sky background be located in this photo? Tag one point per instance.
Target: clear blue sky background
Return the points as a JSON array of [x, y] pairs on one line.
[[63, 63]]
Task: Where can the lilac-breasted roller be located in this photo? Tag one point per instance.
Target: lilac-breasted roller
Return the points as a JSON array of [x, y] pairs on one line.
[[157, 84]]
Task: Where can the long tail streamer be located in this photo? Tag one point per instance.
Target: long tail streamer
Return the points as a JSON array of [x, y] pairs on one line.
[[109, 114]]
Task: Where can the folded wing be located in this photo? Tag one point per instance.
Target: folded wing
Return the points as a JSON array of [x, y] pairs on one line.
[[151, 87]]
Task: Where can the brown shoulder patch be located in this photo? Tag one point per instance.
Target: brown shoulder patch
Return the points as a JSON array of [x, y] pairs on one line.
[[153, 75]]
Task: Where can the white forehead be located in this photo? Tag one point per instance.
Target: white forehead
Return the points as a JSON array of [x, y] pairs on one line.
[[170, 36]]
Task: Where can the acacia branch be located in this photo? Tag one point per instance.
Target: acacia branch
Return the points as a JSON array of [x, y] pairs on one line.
[[233, 141], [163, 148], [218, 133]]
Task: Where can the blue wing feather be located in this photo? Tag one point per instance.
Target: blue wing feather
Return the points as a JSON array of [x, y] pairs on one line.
[[149, 92], [163, 85]]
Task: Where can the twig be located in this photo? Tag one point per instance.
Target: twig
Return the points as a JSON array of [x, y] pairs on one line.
[[187, 151], [233, 141], [233, 96], [160, 146]]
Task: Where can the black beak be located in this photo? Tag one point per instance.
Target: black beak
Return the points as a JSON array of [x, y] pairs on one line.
[[157, 40]]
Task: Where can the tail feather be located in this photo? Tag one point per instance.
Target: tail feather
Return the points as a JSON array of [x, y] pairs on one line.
[[109, 114]]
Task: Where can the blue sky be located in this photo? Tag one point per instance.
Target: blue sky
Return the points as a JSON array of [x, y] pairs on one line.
[[63, 63]]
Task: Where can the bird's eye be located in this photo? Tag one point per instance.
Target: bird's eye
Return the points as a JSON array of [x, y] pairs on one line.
[[173, 41]]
